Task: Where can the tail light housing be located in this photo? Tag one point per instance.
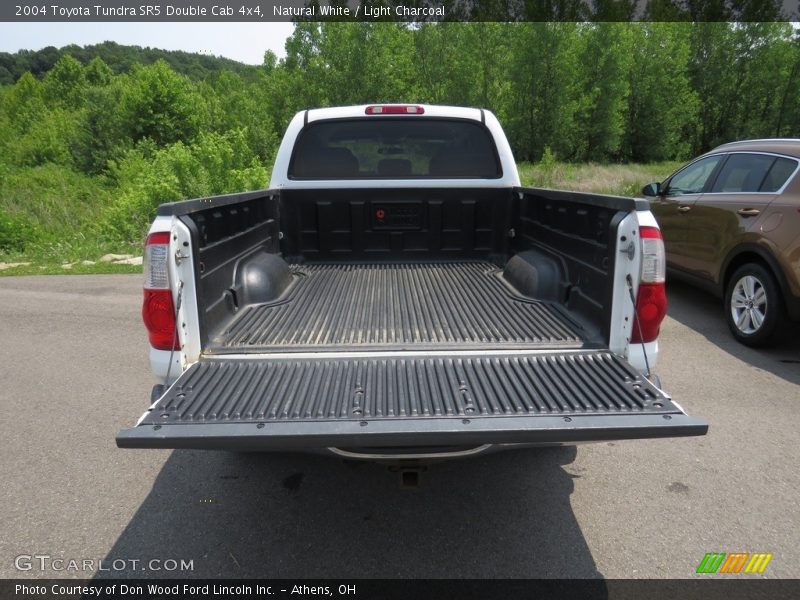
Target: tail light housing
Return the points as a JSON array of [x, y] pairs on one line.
[[158, 311], [651, 300]]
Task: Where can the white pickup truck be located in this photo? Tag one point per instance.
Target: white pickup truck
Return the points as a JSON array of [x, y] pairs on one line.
[[397, 293]]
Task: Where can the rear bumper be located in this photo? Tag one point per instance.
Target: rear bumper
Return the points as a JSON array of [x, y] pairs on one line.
[[545, 430]]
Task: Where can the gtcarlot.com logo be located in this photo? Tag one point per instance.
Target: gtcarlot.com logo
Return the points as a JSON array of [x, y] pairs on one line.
[[45, 562]]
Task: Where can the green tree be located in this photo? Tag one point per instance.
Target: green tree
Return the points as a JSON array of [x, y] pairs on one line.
[[606, 85], [767, 58], [788, 118], [103, 133], [716, 77], [65, 83], [98, 72], [662, 106], [246, 107], [24, 103], [146, 177], [544, 89], [47, 139], [161, 105]]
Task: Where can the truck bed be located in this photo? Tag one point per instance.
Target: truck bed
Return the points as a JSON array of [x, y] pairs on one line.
[[461, 319], [433, 305]]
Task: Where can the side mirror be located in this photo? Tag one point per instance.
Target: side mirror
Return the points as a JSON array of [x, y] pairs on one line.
[[652, 189]]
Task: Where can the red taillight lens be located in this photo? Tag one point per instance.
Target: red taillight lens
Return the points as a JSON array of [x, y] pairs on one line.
[[651, 308], [395, 109], [651, 300], [158, 314], [158, 311]]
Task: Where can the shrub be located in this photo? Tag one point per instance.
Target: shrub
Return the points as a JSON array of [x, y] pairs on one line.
[[50, 202], [16, 232], [147, 177]]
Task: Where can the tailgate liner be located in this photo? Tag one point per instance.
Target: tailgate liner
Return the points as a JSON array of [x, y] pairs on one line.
[[397, 306], [290, 402]]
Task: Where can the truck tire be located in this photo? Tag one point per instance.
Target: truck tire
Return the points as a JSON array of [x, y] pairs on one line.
[[754, 306]]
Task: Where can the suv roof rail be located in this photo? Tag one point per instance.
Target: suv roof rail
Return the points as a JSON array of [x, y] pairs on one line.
[[761, 140]]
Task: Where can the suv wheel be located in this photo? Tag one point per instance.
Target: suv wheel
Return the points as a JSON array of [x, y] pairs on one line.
[[753, 305]]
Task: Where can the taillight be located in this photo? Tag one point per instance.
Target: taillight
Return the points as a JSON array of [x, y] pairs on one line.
[[395, 109], [651, 299], [158, 311]]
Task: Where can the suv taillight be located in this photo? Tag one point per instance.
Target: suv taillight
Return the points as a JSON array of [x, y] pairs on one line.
[[651, 300], [158, 311]]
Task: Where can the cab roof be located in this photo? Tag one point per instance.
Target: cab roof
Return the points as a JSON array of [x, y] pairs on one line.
[[430, 110]]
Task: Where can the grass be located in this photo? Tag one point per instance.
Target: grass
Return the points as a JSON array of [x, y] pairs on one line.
[[65, 210], [59, 200], [620, 180], [79, 269], [50, 256], [48, 218]]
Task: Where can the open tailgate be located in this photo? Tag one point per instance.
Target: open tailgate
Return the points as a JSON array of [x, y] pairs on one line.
[[395, 400]]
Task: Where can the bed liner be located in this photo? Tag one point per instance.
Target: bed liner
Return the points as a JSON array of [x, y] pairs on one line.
[[436, 305]]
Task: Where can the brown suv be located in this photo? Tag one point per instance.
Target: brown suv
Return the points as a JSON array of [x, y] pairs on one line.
[[731, 224]]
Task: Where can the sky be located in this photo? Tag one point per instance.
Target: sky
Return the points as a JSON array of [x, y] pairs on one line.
[[245, 42]]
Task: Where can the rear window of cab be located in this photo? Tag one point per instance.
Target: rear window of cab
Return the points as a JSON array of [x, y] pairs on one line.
[[394, 148]]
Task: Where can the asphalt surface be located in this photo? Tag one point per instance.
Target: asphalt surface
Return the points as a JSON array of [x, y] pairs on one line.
[[74, 370]]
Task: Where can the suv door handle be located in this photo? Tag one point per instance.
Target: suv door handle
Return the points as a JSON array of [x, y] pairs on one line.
[[684, 208], [749, 212]]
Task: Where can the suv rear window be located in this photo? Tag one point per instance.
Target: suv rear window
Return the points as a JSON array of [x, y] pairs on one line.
[[781, 169], [754, 173], [394, 148], [743, 173]]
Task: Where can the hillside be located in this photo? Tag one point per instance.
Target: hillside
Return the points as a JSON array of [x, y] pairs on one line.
[[119, 58]]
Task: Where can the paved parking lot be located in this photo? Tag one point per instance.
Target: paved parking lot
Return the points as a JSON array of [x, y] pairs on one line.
[[73, 361]]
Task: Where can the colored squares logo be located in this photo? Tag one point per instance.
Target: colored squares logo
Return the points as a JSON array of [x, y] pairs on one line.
[[734, 562]]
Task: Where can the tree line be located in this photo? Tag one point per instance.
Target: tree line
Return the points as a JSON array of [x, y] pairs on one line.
[[589, 91], [119, 59], [150, 131]]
